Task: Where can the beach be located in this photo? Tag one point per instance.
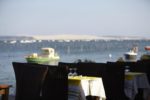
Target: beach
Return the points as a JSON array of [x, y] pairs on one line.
[[86, 37]]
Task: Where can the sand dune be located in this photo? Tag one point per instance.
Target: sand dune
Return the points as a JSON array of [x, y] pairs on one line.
[[85, 37], [66, 37]]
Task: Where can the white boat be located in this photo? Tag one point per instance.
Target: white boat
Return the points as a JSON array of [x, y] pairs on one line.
[[48, 55], [131, 55], [13, 41]]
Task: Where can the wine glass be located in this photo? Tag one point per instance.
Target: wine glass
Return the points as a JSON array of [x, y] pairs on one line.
[[127, 68], [75, 72], [70, 72]]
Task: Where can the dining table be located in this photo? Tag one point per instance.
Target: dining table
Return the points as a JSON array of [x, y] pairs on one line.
[[134, 81], [81, 86]]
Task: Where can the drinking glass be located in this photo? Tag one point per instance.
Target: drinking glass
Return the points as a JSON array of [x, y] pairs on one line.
[[127, 68], [75, 72], [70, 72]]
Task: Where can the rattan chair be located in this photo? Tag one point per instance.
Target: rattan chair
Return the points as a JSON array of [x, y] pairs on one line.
[[29, 79], [55, 86], [114, 82]]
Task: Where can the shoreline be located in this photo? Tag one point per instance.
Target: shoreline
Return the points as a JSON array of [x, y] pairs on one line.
[[86, 37], [72, 37]]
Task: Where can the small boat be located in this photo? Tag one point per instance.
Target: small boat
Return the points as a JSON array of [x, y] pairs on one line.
[[13, 41], [48, 55], [147, 48], [131, 55]]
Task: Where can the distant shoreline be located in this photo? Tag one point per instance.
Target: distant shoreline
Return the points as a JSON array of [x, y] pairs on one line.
[[72, 37], [86, 37]]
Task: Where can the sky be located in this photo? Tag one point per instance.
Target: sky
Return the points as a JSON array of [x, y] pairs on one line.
[[91, 17]]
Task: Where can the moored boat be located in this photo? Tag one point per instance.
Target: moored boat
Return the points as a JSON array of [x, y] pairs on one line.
[[131, 55], [48, 55], [147, 48]]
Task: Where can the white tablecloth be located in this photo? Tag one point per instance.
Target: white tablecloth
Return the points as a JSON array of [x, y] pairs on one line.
[[135, 81], [87, 86]]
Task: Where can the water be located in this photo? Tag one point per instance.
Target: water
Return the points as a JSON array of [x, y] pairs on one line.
[[69, 51]]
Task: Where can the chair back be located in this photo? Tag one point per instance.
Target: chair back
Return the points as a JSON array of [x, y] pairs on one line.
[[91, 69], [144, 66], [56, 84], [29, 79], [67, 65], [114, 81]]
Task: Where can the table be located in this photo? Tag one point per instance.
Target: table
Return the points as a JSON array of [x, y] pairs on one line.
[[4, 91], [82, 86], [133, 81]]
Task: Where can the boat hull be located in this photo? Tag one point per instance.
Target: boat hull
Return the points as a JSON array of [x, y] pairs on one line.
[[129, 57], [40, 60]]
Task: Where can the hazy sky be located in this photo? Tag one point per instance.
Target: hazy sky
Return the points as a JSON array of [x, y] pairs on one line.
[[102, 17]]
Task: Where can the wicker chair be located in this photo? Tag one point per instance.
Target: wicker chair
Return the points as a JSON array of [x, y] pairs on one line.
[[29, 79], [114, 81], [56, 84]]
